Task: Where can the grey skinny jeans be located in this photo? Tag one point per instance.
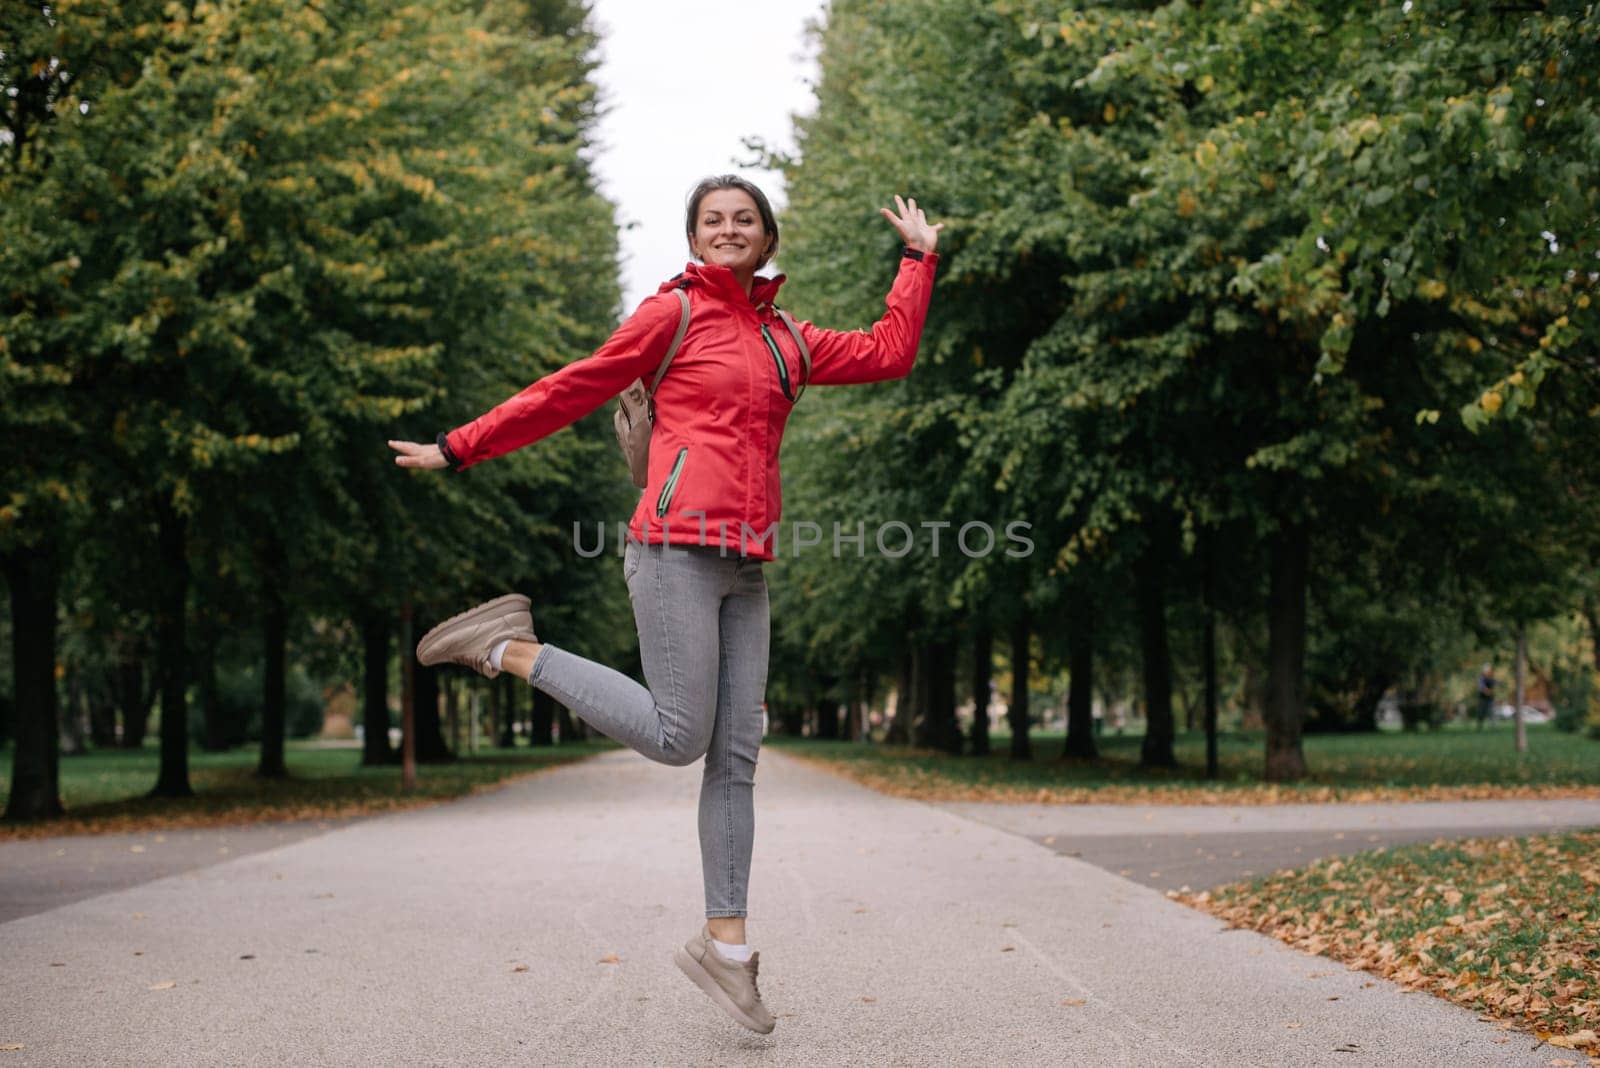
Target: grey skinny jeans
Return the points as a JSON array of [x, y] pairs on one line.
[[703, 625]]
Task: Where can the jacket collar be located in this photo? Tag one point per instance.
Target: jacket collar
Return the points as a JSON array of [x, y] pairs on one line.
[[719, 280]]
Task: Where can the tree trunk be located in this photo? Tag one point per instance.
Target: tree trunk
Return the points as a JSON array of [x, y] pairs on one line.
[[1522, 690], [274, 645], [1208, 658], [827, 706], [74, 725], [564, 722], [917, 708], [899, 729], [828, 713], [854, 715], [869, 682], [1017, 715], [102, 716], [34, 578], [1156, 659], [509, 690], [943, 732], [1365, 716], [431, 747], [213, 733], [982, 673], [1591, 612], [1080, 691], [452, 713], [544, 714], [495, 690], [134, 697], [375, 748], [1286, 654], [172, 653]]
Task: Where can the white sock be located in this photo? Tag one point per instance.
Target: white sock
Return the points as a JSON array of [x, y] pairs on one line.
[[496, 653], [740, 952]]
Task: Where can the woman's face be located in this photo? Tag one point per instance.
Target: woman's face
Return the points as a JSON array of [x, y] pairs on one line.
[[728, 231]]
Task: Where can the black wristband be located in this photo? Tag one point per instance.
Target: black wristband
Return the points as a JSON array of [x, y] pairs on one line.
[[911, 253], [449, 454]]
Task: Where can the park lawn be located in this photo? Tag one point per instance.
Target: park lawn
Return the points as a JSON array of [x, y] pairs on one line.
[[1509, 927], [1448, 764], [103, 791]]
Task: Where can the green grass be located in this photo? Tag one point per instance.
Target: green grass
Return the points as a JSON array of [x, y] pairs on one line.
[[1505, 926], [105, 790], [1449, 762]]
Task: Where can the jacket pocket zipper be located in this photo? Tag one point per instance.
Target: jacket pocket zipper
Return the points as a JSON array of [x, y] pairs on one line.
[[664, 501], [777, 358]]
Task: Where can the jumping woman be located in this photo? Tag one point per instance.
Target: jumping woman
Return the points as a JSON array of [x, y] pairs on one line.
[[693, 561]]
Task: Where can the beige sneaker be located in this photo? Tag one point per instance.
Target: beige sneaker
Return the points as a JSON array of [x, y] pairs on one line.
[[730, 983], [469, 638]]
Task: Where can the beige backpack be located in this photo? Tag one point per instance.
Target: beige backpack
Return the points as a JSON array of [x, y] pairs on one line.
[[635, 416]]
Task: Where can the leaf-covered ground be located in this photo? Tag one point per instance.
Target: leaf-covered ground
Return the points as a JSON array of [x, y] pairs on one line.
[[104, 791], [1443, 765], [1509, 927]]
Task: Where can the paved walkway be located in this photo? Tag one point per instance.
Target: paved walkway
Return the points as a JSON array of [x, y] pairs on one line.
[[893, 933], [39, 874], [1194, 847]]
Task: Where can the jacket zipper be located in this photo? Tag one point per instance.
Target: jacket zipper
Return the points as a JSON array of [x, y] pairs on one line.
[[777, 358], [667, 488]]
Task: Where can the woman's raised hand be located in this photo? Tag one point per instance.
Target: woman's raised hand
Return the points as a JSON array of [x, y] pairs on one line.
[[912, 224], [416, 454]]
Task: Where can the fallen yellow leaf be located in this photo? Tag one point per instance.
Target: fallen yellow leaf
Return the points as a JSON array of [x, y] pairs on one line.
[[163, 986], [609, 958], [1072, 1001]]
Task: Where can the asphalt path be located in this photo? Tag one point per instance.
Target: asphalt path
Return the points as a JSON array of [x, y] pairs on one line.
[[535, 925], [1197, 847]]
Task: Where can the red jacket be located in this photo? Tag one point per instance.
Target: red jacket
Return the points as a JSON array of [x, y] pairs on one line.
[[722, 406]]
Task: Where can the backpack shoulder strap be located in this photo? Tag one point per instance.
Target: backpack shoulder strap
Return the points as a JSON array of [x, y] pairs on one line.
[[677, 340], [805, 352]]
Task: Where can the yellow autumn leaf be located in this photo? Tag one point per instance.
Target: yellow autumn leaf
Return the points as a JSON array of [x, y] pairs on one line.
[[1110, 113]]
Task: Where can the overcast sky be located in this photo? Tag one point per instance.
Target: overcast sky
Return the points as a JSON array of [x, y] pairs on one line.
[[683, 84]]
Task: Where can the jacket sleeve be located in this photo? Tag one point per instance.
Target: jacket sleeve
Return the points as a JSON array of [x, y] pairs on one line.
[[562, 397], [888, 349]]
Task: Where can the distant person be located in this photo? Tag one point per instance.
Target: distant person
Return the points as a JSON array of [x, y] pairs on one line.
[[1485, 710], [699, 596]]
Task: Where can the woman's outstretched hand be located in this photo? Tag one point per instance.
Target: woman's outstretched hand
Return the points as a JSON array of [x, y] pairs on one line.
[[913, 225], [416, 454]]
